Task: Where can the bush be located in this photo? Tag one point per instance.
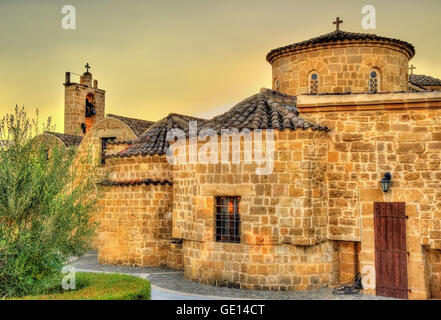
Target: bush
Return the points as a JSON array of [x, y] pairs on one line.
[[101, 286], [46, 202]]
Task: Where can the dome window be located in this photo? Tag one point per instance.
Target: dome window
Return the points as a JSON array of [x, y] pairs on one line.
[[374, 81], [313, 83]]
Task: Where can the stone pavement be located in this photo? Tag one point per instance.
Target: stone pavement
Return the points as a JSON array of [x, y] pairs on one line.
[[168, 284]]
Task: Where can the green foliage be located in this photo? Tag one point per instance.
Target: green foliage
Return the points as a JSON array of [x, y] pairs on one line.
[[102, 286], [46, 202]]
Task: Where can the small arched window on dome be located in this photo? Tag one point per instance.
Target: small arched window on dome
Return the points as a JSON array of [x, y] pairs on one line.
[[313, 83], [276, 85], [374, 81]]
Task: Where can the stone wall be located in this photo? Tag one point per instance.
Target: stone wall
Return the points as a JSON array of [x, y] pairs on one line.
[[175, 258], [348, 260], [138, 168], [135, 225], [342, 68], [389, 136], [90, 149], [262, 267], [287, 206], [366, 144], [280, 214], [434, 262], [136, 219]]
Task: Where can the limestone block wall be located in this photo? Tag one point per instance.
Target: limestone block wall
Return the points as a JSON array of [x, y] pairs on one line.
[[90, 149], [135, 223], [175, 259], [262, 267], [348, 260], [283, 218], [400, 134], [287, 206], [434, 265], [366, 144], [138, 168], [341, 68]]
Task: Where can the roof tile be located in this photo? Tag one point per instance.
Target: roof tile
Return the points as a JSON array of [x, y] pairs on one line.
[[137, 125], [68, 139], [266, 110], [424, 81]]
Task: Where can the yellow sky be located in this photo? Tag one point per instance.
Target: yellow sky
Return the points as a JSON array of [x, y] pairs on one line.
[[183, 56]]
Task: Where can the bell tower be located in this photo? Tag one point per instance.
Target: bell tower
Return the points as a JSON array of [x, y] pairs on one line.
[[84, 103]]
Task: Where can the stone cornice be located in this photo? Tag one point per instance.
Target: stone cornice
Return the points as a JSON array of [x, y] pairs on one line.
[[272, 57], [367, 102]]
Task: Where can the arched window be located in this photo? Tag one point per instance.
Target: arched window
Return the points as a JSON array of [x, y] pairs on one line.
[[276, 85], [90, 105], [313, 83], [374, 81]]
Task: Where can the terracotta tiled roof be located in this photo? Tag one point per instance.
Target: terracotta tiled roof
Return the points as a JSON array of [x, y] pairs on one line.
[[115, 142], [415, 88], [424, 81], [153, 141], [68, 139], [137, 125], [266, 110], [339, 36]]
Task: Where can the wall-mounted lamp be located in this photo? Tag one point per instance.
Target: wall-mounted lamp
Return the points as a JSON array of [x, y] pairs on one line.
[[386, 182]]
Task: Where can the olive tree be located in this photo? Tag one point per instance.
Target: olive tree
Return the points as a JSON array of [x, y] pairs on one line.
[[48, 195]]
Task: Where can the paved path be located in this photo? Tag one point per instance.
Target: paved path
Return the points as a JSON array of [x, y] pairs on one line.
[[168, 284]]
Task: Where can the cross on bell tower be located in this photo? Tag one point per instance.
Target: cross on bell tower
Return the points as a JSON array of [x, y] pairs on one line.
[[87, 66], [411, 68], [337, 23]]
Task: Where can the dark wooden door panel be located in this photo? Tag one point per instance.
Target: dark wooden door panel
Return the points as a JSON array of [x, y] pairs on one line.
[[390, 249]]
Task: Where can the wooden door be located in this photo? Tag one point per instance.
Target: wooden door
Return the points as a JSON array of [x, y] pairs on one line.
[[390, 249]]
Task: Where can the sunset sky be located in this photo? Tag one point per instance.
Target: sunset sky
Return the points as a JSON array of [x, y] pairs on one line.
[[194, 57]]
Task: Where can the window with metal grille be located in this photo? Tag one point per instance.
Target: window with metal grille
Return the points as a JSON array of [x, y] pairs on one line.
[[227, 219], [313, 83], [104, 142], [374, 79]]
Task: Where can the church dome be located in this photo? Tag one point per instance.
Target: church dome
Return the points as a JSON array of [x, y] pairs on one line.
[[341, 62]]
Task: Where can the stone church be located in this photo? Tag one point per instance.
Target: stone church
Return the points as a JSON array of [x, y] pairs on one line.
[[355, 186]]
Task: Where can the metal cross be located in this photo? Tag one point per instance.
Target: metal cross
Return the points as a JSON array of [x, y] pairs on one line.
[[411, 68], [337, 23], [87, 66]]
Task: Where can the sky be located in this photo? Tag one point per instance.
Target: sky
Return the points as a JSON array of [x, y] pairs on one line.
[[195, 57]]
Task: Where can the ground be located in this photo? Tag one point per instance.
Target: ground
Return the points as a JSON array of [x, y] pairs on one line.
[[168, 284]]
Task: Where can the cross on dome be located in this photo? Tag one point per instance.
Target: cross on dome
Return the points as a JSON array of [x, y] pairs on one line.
[[337, 23]]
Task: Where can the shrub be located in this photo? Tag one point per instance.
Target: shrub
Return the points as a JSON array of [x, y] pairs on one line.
[[46, 202]]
